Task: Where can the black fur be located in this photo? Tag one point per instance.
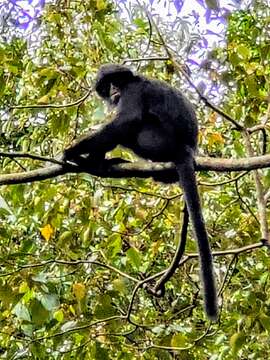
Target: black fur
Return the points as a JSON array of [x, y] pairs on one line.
[[158, 123]]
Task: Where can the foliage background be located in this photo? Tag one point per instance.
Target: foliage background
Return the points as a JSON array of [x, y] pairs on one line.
[[74, 247]]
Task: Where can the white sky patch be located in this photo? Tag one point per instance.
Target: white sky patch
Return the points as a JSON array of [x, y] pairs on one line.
[[167, 11]]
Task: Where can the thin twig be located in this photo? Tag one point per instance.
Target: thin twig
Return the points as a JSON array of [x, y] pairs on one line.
[[53, 106], [13, 155], [159, 287], [150, 58], [225, 182], [79, 328]]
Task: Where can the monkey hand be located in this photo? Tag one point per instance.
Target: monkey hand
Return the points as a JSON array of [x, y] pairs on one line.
[[70, 153], [72, 157], [96, 163]]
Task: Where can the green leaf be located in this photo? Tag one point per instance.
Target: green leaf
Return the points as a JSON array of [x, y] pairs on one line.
[[252, 86], [21, 311], [265, 321], [99, 352], [114, 245], [49, 301], [243, 52], [39, 314], [104, 307], [134, 257], [158, 329], [6, 295], [69, 325], [65, 238], [140, 23], [179, 340], [236, 341], [59, 315], [120, 285]]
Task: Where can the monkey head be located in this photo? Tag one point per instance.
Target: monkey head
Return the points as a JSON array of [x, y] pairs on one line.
[[111, 78]]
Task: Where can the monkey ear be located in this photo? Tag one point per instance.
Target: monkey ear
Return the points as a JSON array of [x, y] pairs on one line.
[[108, 74]]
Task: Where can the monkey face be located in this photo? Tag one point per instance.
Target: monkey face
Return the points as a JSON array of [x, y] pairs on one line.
[[114, 95], [112, 75]]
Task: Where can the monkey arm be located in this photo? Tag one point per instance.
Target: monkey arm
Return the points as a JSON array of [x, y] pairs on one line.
[[123, 126], [97, 143]]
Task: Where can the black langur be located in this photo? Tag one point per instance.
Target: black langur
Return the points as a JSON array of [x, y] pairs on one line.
[[158, 123]]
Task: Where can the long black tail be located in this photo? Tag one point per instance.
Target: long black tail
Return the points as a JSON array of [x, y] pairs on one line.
[[188, 183]]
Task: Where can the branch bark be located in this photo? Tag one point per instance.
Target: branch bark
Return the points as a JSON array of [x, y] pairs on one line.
[[141, 169]]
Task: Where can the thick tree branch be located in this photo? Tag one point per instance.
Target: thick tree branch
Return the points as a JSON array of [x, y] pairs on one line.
[[140, 169], [33, 175]]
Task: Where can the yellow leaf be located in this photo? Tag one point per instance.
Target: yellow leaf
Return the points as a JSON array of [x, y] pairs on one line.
[[79, 291], [101, 5], [141, 214], [43, 100], [23, 288], [47, 232], [212, 118], [72, 310], [155, 246], [215, 138]]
